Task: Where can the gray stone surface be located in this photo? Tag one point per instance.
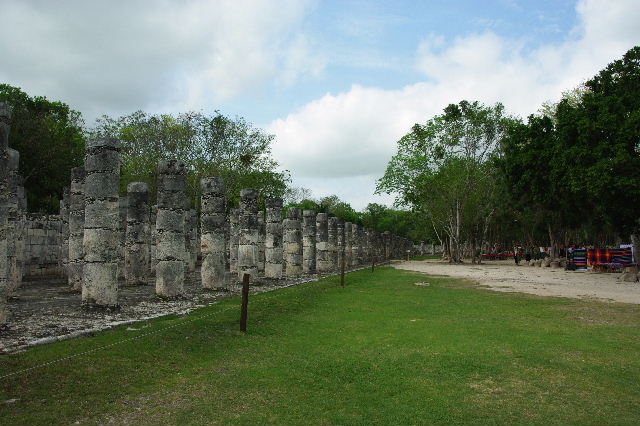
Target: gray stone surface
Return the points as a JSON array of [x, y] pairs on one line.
[[332, 242], [261, 239], [293, 242], [5, 116], [308, 241], [138, 234], [323, 252], [102, 228], [273, 239], [170, 240], [15, 224], [248, 235], [348, 244], [76, 228], [234, 235], [212, 242]]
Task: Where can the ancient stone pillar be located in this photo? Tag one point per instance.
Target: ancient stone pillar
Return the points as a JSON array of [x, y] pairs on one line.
[[248, 235], [153, 260], [76, 228], [261, 240], [5, 115], [101, 223], [14, 225], [332, 242], [339, 244], [123, 202], [308, 241], [170, 249], [355, 245], [212, 237], [64, 217], [234, 216], [323, 253], [348, 244], [273, 238], [293, 242], [138, 234]]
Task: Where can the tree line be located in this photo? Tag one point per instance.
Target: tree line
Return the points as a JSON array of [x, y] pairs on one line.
[[569, 174]]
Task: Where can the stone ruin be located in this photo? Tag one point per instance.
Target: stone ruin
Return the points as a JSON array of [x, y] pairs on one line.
[[102, 243]]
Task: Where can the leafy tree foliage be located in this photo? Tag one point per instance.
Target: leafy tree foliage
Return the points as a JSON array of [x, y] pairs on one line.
[[444, 170], [210, 145], [50, 138]]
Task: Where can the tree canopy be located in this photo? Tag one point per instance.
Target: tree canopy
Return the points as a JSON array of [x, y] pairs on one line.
[[210, 145], [50, 138]]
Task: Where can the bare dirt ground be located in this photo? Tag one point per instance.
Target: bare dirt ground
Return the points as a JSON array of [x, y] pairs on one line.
[[504, 275]]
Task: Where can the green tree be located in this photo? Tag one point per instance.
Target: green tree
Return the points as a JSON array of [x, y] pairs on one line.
[[443, 169], [210, 145], [50, 139]]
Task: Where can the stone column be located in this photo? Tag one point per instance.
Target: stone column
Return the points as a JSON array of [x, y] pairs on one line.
[[212, 237], [355, 245], [123, 202], [308, 241], [332, 240], [102, 226], [339, 244], [170, 249], [76, 228], [64, 217], [5, 116], [348, 244], [138, 234], [273, 238], [153, 260], [234, 216], [261, 240], [293, 242], [14, 226], [323, 253], [248, 235]]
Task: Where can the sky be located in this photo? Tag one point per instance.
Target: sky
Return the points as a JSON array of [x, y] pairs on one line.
[[337, 82]]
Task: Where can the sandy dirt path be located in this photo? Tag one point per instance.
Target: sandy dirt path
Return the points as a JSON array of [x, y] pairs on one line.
[[506, 276]]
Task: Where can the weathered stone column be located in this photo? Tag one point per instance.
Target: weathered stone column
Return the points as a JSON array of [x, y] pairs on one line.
[[14, 225], [323, 253], [170, 249], [355, 245], [76, 228], [101, 223], [308, 241], [64, 217], [5, 116], [123, 203], [348, 244], [153, 260], [293, 242], [261, 240], [234, 217], [273, 238], [212, 238], [332, 240], [138, 234], [248, 235], [339, 244]]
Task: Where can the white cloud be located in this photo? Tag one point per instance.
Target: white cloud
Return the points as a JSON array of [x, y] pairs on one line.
[[115, 56], [352, 135]]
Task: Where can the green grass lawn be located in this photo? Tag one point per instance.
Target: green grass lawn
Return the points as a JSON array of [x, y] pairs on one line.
[[379, 351]]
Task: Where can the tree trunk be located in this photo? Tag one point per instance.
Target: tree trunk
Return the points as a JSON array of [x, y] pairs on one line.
[[635, 242]]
